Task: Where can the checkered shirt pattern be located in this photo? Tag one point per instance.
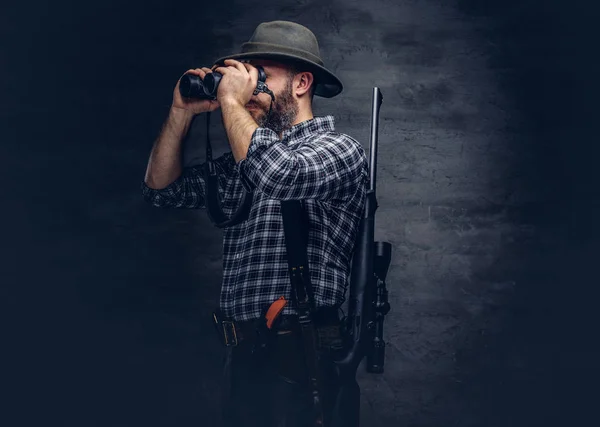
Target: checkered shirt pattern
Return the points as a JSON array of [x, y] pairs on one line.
[[329, 170]]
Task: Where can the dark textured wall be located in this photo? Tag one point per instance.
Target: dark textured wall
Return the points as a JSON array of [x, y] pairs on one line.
[[487, 189]]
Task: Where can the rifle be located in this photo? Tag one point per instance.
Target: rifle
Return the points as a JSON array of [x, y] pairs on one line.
[[367, 302]]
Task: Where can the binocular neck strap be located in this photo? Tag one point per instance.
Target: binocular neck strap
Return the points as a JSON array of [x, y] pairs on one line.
[[208, 147], [270, 108], [213, 204], [269, 92]]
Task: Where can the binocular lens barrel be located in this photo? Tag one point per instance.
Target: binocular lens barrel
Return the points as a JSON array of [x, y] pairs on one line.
[[190, 86], [211, 83]]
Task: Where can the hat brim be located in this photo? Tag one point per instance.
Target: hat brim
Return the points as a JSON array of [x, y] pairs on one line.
[[328, 85]]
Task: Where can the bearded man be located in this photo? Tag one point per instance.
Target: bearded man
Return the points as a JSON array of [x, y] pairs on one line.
[[279, 151]]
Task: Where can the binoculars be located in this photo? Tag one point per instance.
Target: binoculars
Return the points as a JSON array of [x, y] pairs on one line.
[[192, 86]]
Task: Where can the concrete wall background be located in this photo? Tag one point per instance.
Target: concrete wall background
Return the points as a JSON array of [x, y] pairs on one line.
[[487, 190]]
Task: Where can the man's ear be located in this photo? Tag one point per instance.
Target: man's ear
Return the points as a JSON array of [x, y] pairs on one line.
[[306, 79]]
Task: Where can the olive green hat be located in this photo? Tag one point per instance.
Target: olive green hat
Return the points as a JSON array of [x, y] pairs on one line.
[[289, 41]]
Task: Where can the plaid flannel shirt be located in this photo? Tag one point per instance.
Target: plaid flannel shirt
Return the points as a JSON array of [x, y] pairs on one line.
[[312, 162]]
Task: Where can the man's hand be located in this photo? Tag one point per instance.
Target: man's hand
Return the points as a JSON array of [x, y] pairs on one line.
[[238, 82], [191, 106]]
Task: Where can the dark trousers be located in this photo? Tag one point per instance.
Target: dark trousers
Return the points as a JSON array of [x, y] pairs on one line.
[[272, 389]]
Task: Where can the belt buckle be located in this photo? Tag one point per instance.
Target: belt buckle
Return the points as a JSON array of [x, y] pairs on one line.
[[229, 333]]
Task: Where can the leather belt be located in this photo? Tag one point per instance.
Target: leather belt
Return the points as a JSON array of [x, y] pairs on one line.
[[232, 332]]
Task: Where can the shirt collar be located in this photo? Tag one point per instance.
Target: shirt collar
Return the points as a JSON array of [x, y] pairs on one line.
[[308, 127]]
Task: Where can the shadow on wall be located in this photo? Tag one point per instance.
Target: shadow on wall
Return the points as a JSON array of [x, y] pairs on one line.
[[536, 369]]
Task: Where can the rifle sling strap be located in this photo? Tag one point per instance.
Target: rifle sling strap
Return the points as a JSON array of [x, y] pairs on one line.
[[295, 225]]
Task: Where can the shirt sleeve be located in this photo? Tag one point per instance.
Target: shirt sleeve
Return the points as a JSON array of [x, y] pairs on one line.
[[189, 189], [328, 167]]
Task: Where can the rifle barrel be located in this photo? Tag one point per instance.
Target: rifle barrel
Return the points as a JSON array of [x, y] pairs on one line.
[[377, 100]]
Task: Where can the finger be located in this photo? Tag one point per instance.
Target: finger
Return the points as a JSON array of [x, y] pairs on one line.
[[253, 75], [236, 64], [253, 71], [202, 72], [199, 72], [190, 71], [248, 66], [222, 70]]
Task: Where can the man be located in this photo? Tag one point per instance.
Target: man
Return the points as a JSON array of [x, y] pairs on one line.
[[279, 151]]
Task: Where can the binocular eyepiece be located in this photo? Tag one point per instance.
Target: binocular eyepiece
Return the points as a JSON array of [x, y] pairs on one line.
[[192, 86]]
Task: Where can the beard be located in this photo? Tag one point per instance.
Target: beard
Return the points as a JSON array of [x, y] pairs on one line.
[[283, 113]]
